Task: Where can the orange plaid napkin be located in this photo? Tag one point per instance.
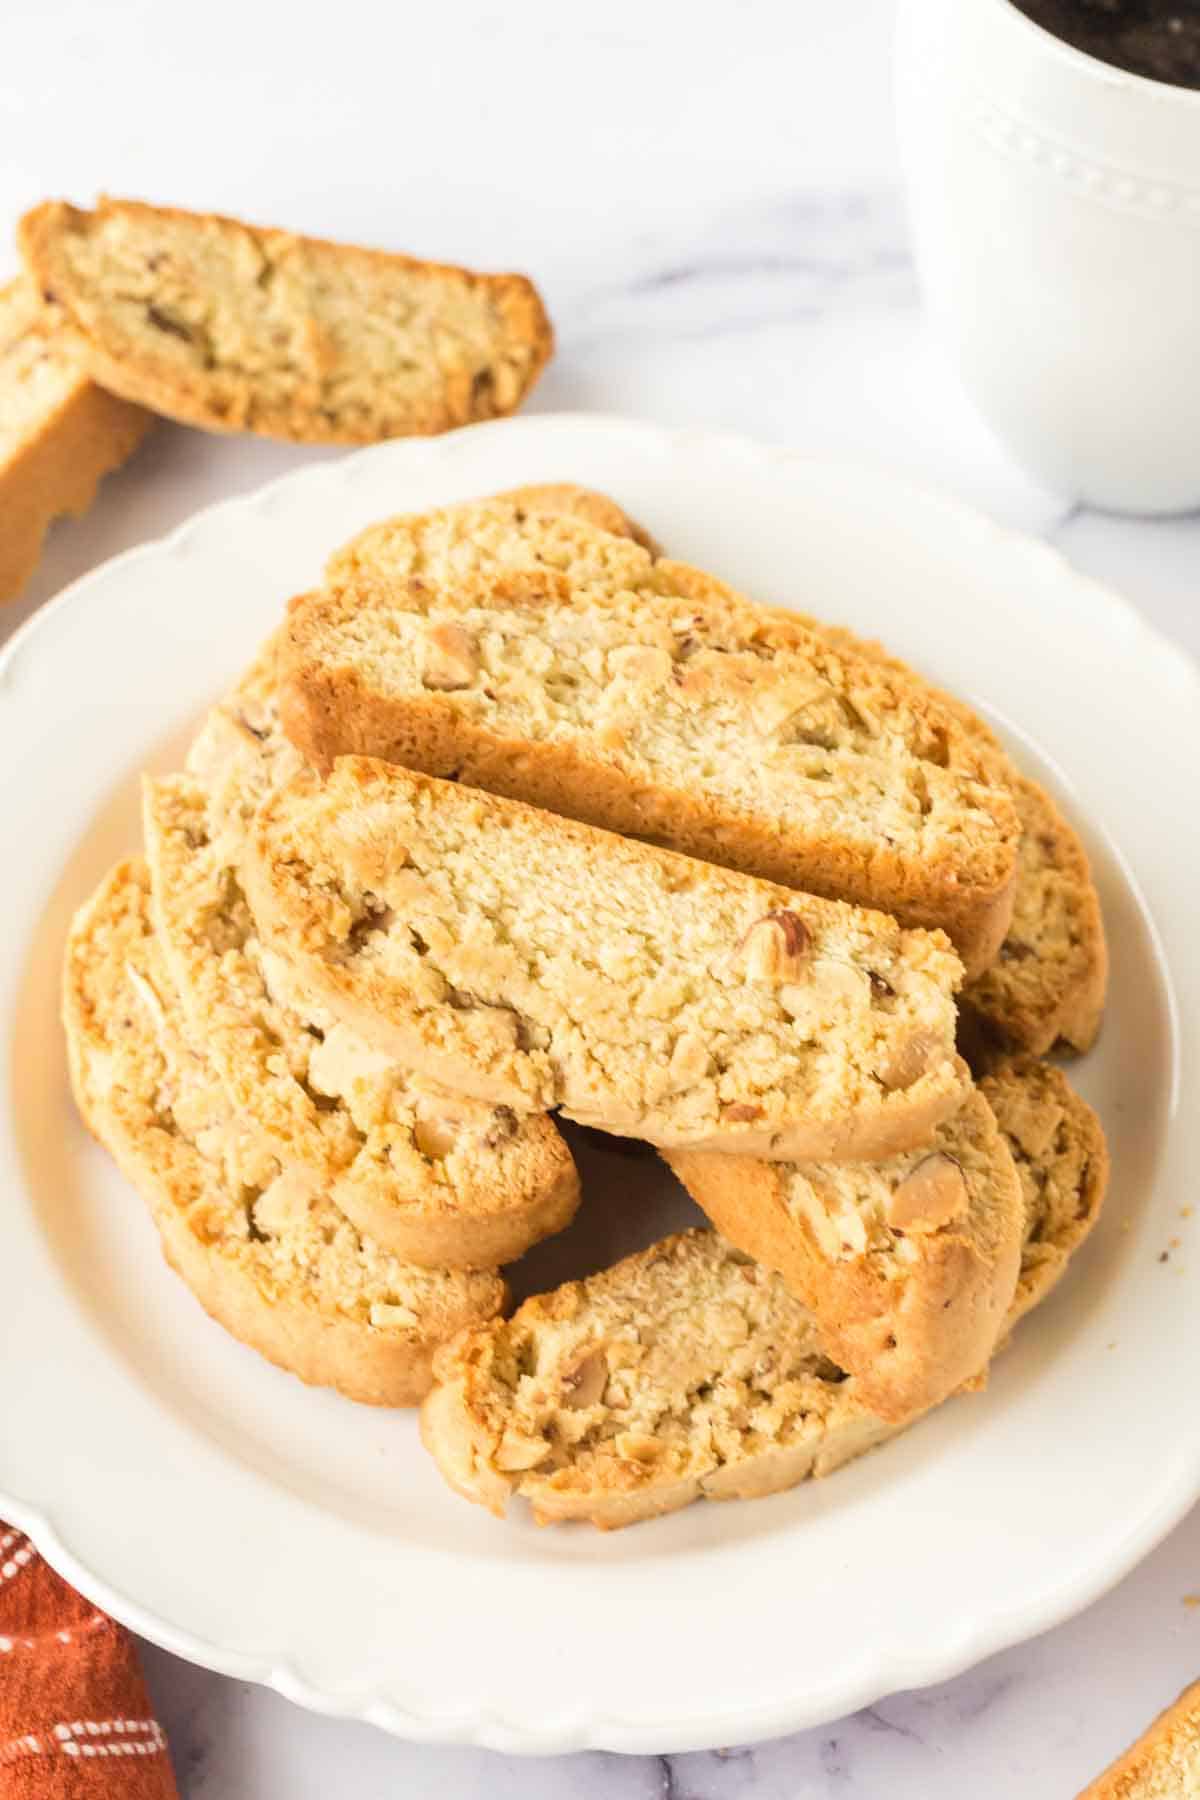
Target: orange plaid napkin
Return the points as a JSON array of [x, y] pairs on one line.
[[75, 1719]]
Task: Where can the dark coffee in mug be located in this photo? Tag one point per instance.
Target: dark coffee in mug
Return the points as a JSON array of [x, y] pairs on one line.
[[1156, 38]]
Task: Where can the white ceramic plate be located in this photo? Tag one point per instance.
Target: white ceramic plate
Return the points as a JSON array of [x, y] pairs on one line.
[[289, 1537]]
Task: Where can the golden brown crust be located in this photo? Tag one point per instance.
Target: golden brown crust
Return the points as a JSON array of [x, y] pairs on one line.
[[59, 433], [527, 959], [236, 327], [539, 710], [1164, 1764], [581, 503], [910, 1310], [268, 1258]]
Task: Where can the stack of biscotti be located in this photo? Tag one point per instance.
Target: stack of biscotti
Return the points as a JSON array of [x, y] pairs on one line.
[[691, 1371], [331, 1206], [545, 658], [130, 310], [702, 874], [570, 665]]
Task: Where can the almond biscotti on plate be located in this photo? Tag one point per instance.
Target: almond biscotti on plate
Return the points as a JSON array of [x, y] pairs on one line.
[[539, 963], [265, 1252], [430, 1176], [1046, 988], [1061, 1155], [687, 1371], [908, 1266], [237, 327], [691, 1371], [59, 432], [541, 657]]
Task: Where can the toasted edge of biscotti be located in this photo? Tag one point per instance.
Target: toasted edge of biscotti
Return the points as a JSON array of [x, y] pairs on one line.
[[589, 504], [81, 435], [150, 1100], [1164, 1763], [908, 1266], [495, 948], [173, 363]]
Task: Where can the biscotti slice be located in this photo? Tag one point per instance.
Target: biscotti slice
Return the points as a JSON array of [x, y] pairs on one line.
[[909, 1266], [691, 1370], [241, 750], [1062, 1159], [264, 1251], [1046, 989], [687, 1371], [539, 963], [540, 657], [433, 1178], [59, 432], [236, 327], [1164, 1764]]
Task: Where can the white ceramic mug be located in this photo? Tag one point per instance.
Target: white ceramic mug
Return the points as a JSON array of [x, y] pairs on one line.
[[1055, 205]]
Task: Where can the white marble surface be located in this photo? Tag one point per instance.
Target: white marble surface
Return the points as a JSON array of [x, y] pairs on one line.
[[710, 200]]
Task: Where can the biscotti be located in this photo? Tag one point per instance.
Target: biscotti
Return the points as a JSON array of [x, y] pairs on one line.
[[1062, 1159], [266, 1254], [538, 656], [538, 963], [431, 1177], [1046, 989], [692, 1371], [684, 1372], [240, 752], [1164, 1764], [59, 432], [908, 1266], [241, 749], [235, 327]]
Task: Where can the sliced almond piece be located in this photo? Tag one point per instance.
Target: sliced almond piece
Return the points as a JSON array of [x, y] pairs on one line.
[[776, 948], [910, 1060], [928, 1198], [584, 1384], [285, 1202], [517, 1450], [451, 660], [638, 1447]]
